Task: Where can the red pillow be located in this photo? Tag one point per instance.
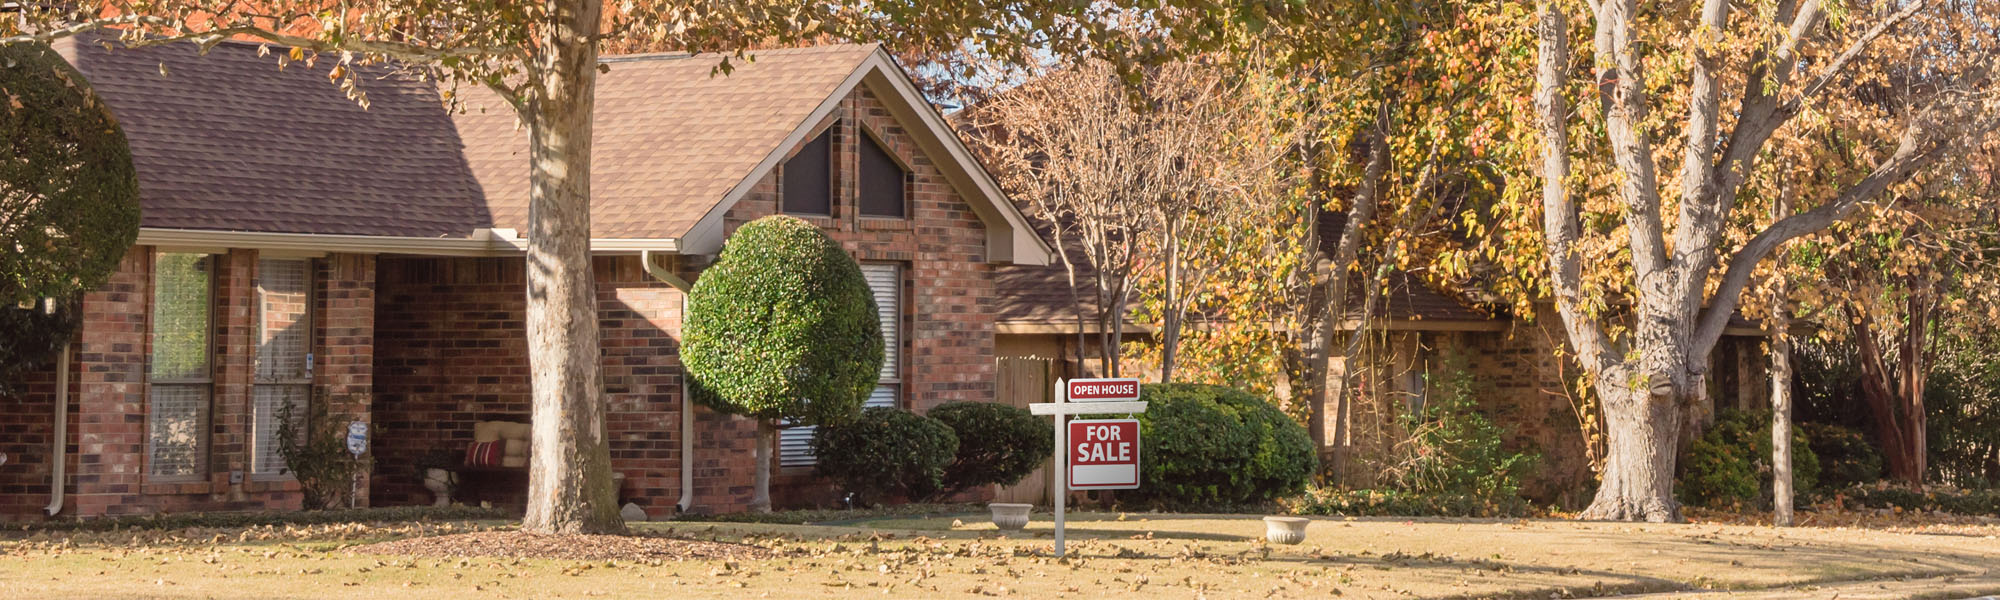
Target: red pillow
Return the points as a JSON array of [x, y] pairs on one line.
[[483, 454]]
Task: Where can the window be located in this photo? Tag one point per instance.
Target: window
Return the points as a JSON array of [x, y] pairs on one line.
[[808, 178], [284, 362], [886, 281], [882, 181], [178, 375]]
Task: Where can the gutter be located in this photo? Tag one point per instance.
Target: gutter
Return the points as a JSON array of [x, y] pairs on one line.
[[687, 408], [57, 474]]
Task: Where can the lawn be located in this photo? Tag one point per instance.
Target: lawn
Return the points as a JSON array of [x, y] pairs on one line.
[[1158, 555]]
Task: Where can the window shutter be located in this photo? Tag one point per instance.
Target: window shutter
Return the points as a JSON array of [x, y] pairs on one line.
[[886, 282]]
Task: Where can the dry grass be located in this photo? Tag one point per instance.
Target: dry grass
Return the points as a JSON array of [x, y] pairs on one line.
[[1141, 555]]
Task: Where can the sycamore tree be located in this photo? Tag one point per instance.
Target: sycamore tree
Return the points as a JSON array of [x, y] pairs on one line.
[[1647, 262], [542, 58]]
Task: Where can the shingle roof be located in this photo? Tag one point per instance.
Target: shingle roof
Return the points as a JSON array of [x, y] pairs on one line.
[[229, 142], [670, 140]]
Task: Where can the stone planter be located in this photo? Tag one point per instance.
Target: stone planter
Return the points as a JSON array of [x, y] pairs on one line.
[[441, 483], [1285, 530], [1011, 517]]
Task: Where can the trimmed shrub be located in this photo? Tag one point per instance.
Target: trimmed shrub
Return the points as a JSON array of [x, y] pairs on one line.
[[886, 452], [1209, 445], [70, 197], [66, 180], [1730, 466], [997, 444], [1951, 500], [1846, 459], [782, 327]]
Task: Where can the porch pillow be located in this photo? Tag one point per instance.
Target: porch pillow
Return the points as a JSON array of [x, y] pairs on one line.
[[514, 453], [483, 454]]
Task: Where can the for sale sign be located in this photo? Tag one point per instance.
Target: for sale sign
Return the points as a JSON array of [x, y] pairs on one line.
[[1103, 390], [1103, 454]]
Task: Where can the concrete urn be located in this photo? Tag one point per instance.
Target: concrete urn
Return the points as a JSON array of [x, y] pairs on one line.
[[1010, 517], [1285, 530], [440, 482]]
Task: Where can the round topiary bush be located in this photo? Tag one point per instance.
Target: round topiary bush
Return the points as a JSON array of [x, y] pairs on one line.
[[997, 444], [782, 327], [1730, 465], [1209, 445], [886, 452], [69, 201]]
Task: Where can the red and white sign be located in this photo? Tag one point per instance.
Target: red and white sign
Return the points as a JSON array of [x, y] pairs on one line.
[[1103, 390], [1103, 454]]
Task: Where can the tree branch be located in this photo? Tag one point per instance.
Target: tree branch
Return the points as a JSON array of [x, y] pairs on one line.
[[1917, 149], [1559, 212]]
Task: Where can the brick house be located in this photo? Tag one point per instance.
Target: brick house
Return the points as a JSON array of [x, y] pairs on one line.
[[297, 246]]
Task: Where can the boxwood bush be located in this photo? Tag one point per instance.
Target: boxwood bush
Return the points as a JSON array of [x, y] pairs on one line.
[[1730, 466], [782, 327], [1209, 445], [886, 452], [997, 444]]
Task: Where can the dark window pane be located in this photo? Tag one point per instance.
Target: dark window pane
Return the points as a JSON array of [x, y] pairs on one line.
[[881, 181], [808, 178]]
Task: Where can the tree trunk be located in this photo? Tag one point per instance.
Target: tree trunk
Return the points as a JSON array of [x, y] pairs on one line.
[[1638, 481], [1360, 214], [1895, 396], [1170, 334], [1781, 418], [1781, 392], [569, 484], [760, 493]]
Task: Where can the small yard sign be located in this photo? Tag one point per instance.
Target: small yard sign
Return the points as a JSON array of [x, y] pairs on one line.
[[1104, 454], [1103, 390]]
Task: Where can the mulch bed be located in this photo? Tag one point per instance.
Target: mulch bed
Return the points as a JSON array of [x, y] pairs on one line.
[[516, 544]]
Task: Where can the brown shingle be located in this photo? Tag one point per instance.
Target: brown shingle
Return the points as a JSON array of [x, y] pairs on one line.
[[229, 142], [670, 140]]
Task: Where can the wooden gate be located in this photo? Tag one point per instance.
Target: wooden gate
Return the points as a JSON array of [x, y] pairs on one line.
[[1020, 381]]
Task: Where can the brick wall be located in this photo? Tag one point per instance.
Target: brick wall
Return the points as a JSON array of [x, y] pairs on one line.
[[27, 424], [108, 445], [451, 351]]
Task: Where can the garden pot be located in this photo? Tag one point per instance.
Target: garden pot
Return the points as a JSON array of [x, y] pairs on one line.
[[1285, 530], [1010, 516], [440, 482]]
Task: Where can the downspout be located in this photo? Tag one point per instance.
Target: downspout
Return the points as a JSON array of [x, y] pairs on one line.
[[61, 436], [687, 407]]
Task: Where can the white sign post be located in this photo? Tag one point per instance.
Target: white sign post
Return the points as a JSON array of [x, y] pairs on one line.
[[1092, 397]]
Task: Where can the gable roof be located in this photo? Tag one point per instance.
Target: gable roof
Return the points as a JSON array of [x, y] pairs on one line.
[[228, 142], [670, 140], [675, 147]]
